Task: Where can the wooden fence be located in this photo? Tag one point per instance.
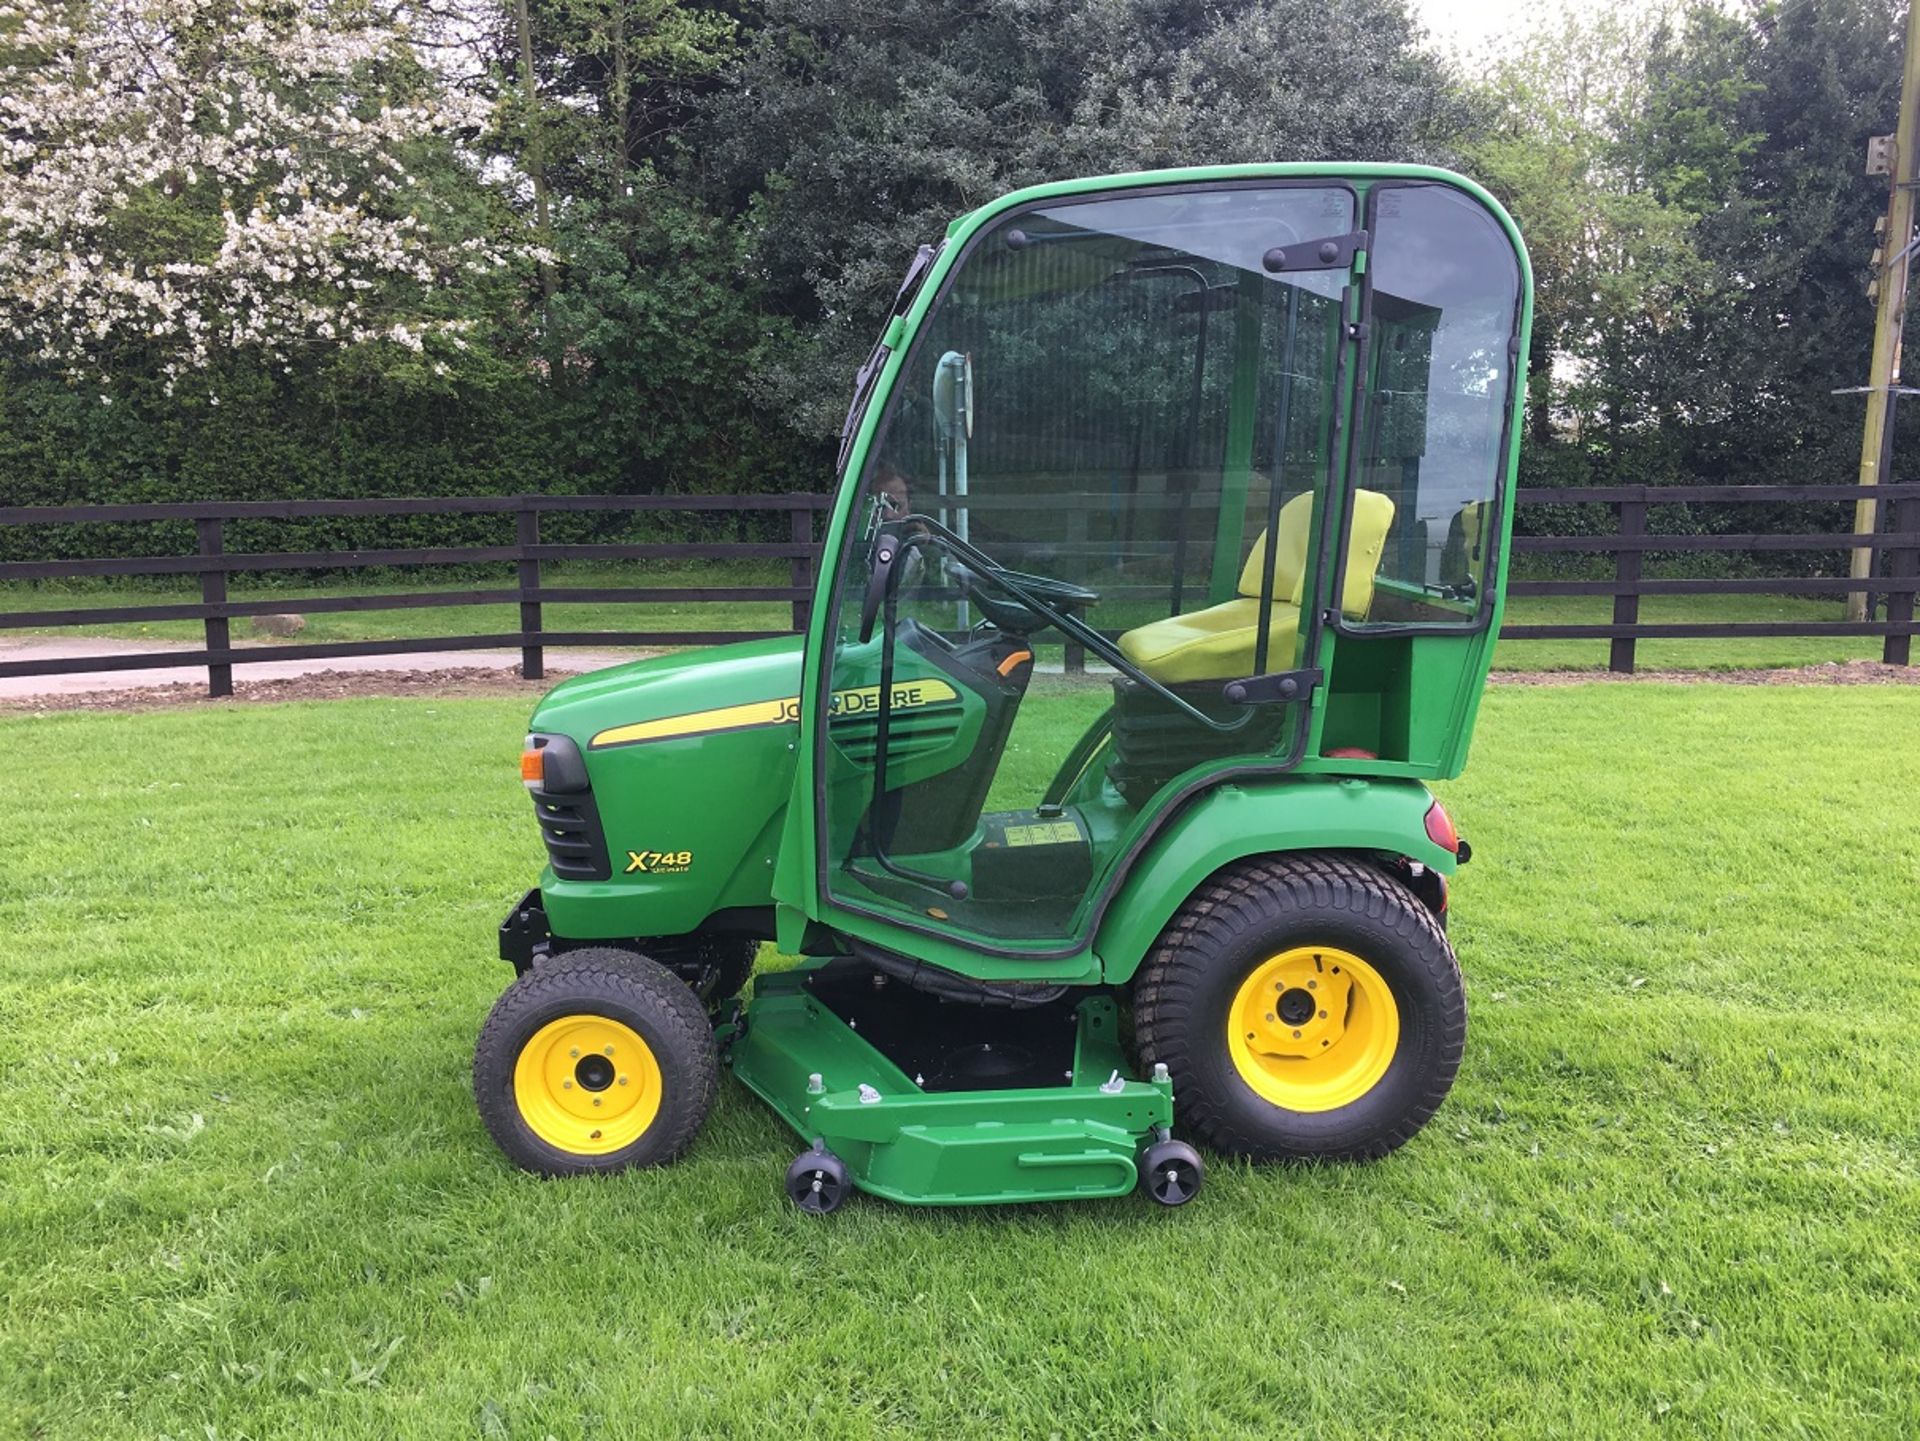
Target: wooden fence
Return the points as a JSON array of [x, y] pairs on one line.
[[1898, 541], [212, 563]]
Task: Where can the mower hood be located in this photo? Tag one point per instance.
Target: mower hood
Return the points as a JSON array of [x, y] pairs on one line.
[[685, 684]]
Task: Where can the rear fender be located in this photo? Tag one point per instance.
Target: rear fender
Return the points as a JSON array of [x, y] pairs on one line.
[[1230, 823]]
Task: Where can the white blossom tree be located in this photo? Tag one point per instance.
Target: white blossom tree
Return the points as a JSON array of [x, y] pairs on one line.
[[183, 178]]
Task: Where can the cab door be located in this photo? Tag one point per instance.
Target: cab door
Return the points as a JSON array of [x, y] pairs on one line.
[[1085, 502]]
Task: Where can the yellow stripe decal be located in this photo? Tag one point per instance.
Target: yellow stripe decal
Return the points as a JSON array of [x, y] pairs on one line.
[[847, 704]]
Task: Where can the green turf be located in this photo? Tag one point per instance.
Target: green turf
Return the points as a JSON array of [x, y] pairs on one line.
[[1709, 654], [1676, 1190]]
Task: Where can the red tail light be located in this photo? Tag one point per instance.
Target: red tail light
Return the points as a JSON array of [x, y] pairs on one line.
[[1440, 829]]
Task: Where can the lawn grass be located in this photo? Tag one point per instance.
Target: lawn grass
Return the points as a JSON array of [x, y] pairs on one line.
[[1705, 654], [1676, 1190]]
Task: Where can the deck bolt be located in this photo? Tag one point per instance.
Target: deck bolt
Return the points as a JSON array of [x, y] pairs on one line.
[[815, 1084]]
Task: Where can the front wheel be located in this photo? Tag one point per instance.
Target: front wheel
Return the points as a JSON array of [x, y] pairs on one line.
[[597, 1060], [1307, 1006]]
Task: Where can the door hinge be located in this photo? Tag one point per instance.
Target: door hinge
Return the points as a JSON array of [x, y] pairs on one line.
[[1276, 688], [1334, 252]]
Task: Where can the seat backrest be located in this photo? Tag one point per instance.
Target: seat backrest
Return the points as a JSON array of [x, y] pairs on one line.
[[1372, 516]]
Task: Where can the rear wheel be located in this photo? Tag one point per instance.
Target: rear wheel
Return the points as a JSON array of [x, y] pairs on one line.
[[595, 1061], [1307, 1007]]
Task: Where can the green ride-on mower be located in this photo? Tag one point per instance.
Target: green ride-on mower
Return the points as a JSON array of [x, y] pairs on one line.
[[1165, 569]]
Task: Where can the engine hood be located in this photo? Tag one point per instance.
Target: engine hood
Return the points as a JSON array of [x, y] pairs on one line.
[[686, 684]]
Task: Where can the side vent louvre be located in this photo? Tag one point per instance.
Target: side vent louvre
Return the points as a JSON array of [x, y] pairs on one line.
[[576, 844], [908, 735]]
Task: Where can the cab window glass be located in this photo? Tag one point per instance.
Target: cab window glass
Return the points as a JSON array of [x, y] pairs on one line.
[[1445, 294]]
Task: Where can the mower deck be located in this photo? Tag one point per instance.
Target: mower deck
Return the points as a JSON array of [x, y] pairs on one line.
[[943, 1103]]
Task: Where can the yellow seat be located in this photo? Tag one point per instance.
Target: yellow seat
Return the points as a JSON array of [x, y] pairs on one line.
[[1218, 643]]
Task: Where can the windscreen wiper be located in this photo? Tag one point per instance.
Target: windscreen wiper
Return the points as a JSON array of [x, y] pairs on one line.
[[864, 381]]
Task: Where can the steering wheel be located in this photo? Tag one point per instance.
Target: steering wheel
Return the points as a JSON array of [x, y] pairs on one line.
[[1010, 612], [998, 592]]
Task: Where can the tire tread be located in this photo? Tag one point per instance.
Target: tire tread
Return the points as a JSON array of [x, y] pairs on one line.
[[684, 1049], [1261, 890]]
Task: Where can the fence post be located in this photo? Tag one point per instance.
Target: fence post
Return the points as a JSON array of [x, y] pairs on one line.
[[800, 564], [1903, 562], [527, 533], [213, 591], [1626, 568], [1073, 661]]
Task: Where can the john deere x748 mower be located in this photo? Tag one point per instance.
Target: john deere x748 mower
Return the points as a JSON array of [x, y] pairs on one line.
[[1164, 570]]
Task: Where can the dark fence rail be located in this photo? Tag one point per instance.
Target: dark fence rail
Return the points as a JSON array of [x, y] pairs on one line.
[[212, 563], [1896, 547]]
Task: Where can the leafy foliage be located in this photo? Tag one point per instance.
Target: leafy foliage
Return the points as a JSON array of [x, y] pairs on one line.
[[640, 244], [851, 133]]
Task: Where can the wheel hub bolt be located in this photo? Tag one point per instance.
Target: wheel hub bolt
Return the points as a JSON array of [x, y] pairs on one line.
[[566, 1085], [574, 1053], [623, 1080], [609, 1050]]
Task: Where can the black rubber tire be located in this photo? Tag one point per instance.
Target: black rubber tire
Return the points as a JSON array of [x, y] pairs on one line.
[[621, 986], [818, 1183], [1229, 926], [1171, 1172]]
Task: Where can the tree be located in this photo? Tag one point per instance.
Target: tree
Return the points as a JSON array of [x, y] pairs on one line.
[[1689, 185], [1612, 236], [182, 180], [852, 131]]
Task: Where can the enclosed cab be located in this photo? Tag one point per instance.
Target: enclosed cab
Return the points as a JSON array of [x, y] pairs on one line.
[[1164, 572]]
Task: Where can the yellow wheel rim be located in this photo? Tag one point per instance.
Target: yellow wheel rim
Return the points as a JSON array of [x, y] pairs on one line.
[[587, 1085], [1313, 1028]]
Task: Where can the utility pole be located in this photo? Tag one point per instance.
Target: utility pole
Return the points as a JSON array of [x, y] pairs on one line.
[[1890, 262]]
